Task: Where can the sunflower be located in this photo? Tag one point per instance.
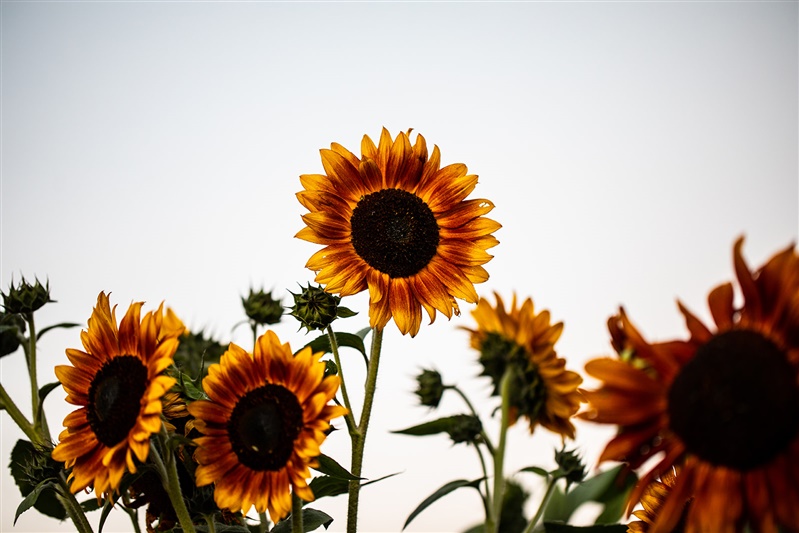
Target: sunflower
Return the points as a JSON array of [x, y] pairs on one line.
[[652, 500], [267, 416], [543, 390], [723, 405], [118, 383], [397, 224]]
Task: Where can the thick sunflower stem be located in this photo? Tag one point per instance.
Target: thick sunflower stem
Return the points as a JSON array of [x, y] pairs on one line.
[[499, 453], [71, 506], [349, 417], [541, 508], [296, 514], [169, 479], [38, 416], [263, 524], [18, 418], [359, 437]]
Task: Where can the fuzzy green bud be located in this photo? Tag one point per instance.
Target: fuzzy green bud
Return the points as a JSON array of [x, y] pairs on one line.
[[317, 309], [430, 389], [570, 465], [465, 428], [262, 308], [25, 297]]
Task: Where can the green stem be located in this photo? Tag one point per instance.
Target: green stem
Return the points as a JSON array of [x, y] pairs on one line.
[[134, 518], [487, 497], [169, 479], [547, 495], [209, 520], [32, 368], [72, 506], [499, 454], [483, 434], [17, 416], [296, 514], [349, 417], [359, 437]]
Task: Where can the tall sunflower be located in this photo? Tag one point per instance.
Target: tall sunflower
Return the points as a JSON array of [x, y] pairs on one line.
[[267, 416], [723, 405], [117, 382], [396, 223], [543, 390]]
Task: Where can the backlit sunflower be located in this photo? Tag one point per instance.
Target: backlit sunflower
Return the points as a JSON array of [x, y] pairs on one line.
[[652, 500], [723, 406], [397, 224], [266, 418], [118, 382], [519, 338]]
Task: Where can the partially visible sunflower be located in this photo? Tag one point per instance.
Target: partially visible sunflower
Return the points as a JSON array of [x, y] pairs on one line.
[[723, 406], [117, 383], [267, 416], [520, 339], [652, 500], [396, 223]]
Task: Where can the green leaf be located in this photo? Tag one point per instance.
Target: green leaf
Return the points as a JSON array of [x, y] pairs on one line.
[[311, 520], [330, 467], [322, 486], [192, 391], [559, 527], [363, 332], [607, 488], [442, 425], [536, 470], [43, 392], [54, 326], [30, 500], [443, 491], [349, 340], [90, 505]]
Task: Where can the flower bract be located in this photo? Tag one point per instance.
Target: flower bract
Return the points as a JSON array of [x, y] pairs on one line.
[[396, 223]]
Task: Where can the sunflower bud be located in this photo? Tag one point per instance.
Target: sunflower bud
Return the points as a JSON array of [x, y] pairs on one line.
[[37, 465], [317, 309], [430, 388], [10, 327], [261, 308], [465, 428], [570, 465], [26, 298]]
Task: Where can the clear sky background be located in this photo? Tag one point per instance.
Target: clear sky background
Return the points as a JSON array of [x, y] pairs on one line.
[[152, 149]]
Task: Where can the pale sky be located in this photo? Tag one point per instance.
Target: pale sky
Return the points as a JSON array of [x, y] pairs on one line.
[[153, 149]]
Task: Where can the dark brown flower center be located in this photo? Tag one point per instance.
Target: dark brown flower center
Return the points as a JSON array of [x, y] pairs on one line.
[[395, 232], [263, 427], [736, 403], [115, 396]]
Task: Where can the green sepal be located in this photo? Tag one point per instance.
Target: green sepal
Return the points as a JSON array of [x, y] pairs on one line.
[[344, 312], [311, 520], [190, 388], [33, 496], [64, 325], [560, 527], [330, 467], [443, 491]]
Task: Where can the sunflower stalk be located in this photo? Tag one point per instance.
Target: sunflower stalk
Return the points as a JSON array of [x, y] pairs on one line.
[[359, 437], [167, 468], [349, 417], [16, 415], [71, 505], [499, 454], [553, 480], [39, 422], [296, 514]]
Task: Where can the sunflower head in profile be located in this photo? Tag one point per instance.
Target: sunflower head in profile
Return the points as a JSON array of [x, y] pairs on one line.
[[117, 384], [396, 223], [522, 342], [267, 416], [723, 405]]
